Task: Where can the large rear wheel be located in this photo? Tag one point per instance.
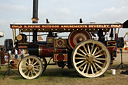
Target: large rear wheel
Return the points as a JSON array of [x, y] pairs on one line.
[[91, 58], [30, 67]]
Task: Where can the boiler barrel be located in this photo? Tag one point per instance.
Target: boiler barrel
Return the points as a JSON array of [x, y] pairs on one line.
[[48, 52], [44, 51], [33, 50]]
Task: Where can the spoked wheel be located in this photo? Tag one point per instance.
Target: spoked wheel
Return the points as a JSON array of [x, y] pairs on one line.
[[91, 58], [30, 67]]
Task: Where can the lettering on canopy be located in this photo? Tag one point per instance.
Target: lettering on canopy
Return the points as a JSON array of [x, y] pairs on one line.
[[14, 26]]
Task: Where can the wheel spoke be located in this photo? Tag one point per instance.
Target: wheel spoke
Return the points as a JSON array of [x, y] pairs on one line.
[[85, 49], [37, 66], [80, 62], [88, 68], [35, 63], [88, 48], [24, 68], [99, 55], [82, 52], [34, 72], [29, 61], [25, 71], [32, 61], [98, 66], [79, 58], [98, 62], [98, 52], [31, 73], [94, 50], [28, 73], [36, 69], [94, 67], [84, 68], [100, 59]]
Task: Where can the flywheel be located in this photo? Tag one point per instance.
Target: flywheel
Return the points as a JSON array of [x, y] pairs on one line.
[[78, 36]]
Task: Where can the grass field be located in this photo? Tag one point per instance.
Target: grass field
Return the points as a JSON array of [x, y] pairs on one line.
[[57, 76]]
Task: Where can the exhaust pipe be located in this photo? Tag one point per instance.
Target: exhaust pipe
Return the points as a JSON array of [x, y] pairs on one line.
[[35, 19]]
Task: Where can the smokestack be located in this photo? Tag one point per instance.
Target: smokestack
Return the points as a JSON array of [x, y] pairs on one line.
[[35, 19], [35, 11]]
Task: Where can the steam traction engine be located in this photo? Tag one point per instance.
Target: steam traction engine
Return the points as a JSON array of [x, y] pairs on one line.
[[81, 51]]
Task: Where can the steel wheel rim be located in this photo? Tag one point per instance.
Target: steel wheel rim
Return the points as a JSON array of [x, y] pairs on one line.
[[30, 67], [91, 58]]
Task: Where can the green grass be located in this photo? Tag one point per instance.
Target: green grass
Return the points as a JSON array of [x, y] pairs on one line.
[[57, 76]]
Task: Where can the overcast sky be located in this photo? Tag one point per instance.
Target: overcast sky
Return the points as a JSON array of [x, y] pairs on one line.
[[62, 11]]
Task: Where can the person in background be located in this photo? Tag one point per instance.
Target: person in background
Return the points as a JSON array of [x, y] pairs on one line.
[[16, 54], [22, 53], [5, 57]]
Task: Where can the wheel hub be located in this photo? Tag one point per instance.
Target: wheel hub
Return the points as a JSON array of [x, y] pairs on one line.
[[30, 67], [90, 59], [80, 39]]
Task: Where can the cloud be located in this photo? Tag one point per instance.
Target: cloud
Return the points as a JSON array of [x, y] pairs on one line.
[[64, 11], [57, 11], [5, 27], [13, 7], [55, 14], [112, 14], [2, 21], [59, 0], [61, 11], [123, 2]]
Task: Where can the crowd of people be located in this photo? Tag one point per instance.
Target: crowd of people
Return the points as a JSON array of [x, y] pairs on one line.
[[18, 54], [13, 58]]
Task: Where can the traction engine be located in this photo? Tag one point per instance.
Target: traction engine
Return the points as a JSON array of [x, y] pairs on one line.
[[89, 56], [87, 48]]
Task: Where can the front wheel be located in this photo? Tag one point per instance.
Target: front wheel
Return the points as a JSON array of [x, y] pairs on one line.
[[30, 67], [91, 58]]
